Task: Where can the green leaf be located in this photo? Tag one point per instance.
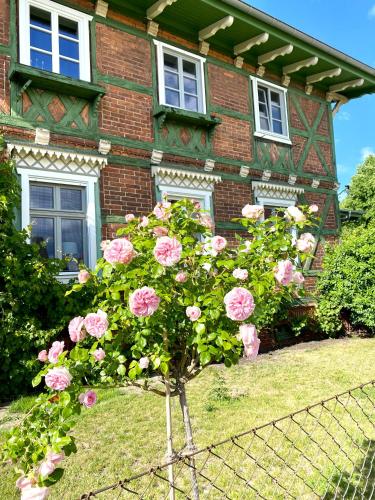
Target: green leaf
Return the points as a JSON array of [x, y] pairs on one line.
[[164, 368], [200, 328], [121, 370], [205, 357], [36, 380]]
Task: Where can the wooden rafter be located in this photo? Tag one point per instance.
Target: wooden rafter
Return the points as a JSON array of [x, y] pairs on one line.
[[318, 77], [158, 8], [213, 28], [305, 63], [249, 44], [273, 54], [340, 87]]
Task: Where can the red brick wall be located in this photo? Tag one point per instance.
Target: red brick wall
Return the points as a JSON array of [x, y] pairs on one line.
[[126, 190], [4, 22], [229, 199], [126, 113], [123, 55], [232, 139], [4, 85], [228, 89]]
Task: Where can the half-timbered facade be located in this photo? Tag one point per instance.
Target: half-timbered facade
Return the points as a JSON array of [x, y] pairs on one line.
[[105, 106]]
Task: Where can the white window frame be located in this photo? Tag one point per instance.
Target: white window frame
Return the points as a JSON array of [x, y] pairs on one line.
[[162, 48], [29, 176], [268, 134], [178, 193], [56, 10]]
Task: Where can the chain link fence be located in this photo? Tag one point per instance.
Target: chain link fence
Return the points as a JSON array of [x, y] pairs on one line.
[[326, 450]]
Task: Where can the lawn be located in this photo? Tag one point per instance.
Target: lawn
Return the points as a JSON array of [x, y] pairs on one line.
[[124, 433]]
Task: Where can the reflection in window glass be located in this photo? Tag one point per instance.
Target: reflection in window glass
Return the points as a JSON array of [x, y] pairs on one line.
[[41, 196], [71, 199], [72, 242], [43, 233]]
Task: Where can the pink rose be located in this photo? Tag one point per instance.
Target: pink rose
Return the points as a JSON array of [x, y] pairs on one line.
[[58, 379], [96, 324], [99, 354], [43, 356], [181, 277], [145, 221], [24, 482], [35, 493], [46, 468], [240, 274], [239, 304], [284, 272], [119, 250], [143, 301], [193, 313], [161, 210], [55, 458], [218, 243], [76, 332], [314, 209], [143, 363], [167, 251], [88, 399], [295, 214], [160, 231], [83, 276], [298, 278], [104, 244], [129, 217], [305, 243], [250, 341], [253, 212], [206, 221], [55, 351]]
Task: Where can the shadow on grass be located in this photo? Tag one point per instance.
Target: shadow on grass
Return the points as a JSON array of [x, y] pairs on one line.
[[359, 483]]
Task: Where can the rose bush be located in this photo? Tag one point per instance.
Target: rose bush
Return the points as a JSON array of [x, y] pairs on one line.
[[170, 299]]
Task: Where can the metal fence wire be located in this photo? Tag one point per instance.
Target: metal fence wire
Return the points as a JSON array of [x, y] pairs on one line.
[[326, 450]]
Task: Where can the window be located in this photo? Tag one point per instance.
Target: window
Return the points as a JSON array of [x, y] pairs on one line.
[[58, 222], [270, 110], [54, 38], [181, 78], [175, 194]]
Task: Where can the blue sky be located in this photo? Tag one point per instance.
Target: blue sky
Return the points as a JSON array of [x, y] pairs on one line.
[[347, 25]]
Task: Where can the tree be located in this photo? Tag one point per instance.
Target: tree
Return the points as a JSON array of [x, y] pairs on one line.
[[362, 189], [170, 299]]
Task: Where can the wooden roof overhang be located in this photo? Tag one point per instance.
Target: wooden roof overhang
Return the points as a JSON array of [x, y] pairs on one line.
[[248, 35]]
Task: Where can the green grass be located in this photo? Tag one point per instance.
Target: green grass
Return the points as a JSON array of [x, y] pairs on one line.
[[125, 432]]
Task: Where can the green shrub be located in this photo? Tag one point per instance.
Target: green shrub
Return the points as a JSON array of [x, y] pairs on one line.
[[33, 306], [346, 288]]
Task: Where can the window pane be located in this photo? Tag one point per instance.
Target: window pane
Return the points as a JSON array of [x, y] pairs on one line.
[[277, 127], [190, 85], [276, 112], [71, 199], [40, 18], [262, 95], [69, 68], [68, 28], [68, 48], [171, 62], [72, 241], [40, 39], [191, 102], [42, 233], [275, 97], [171, 80], [263, 111], [41, 196], [40, 60], [264, 125], [172, 97], [190, 68]]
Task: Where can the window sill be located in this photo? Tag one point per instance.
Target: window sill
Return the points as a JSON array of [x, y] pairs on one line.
[[29, 76], [166, 113], [272, 137], [65, 277]]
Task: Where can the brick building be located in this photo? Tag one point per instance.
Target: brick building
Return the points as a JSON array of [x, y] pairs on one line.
[[105, 106]]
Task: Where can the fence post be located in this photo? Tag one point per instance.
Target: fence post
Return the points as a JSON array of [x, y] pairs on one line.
[[189, 437], [168, 413]]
